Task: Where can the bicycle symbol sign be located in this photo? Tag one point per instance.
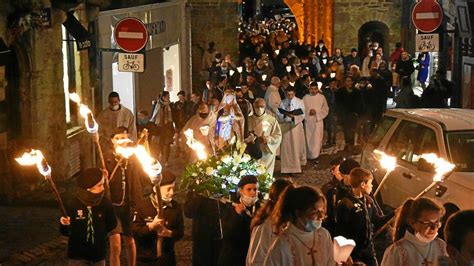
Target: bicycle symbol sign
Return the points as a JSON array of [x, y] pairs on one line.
[[427, 42], [131, 62]]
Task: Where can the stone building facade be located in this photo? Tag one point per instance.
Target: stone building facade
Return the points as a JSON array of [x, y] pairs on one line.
[[356, 20]]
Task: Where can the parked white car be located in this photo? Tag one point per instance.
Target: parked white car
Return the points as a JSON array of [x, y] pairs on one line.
[[407, 134]]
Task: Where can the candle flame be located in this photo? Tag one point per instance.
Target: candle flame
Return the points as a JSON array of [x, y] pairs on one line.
[[150, 165], [123, 149], [386, 161], [320, 84], [197, 146], [442, 167], [288, 68], [239, 69], [231, 72], [264, 77], [35, 157]]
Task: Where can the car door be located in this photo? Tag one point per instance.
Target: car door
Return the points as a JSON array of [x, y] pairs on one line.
[[409, 141]]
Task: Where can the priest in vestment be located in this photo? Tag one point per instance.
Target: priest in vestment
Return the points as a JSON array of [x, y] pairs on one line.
[[316, 109], [265, 127], [114, 116], [293, 149]]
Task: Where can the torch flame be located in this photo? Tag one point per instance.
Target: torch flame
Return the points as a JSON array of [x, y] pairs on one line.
[[35, 157], [197, 146], [122, 148], [75, 97], [442, 167], [386, 161], [86, 113], [150, 165]]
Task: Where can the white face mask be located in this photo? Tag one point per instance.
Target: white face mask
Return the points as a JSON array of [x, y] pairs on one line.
[[115, 107], [259, 111], [425, 239], [229, 99], [320, 45], [248, 201], [313, 225]]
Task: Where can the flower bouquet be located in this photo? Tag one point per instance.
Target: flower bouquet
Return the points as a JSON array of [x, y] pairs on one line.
[[220, 174]]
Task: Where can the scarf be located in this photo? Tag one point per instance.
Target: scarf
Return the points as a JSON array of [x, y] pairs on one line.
[[163, 113], [89, 199]]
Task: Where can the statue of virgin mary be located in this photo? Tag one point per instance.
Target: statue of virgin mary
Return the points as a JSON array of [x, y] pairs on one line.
[[230, 121]]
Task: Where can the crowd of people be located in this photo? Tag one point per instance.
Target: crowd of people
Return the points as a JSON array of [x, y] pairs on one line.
[[280, 99]]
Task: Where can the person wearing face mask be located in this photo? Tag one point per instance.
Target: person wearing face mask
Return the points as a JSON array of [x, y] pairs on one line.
[[266, 128], [321, 48], [365, 67], [90, 217], [147, 228], [316, 109], [163, 118], [459, 233], [357, 214], [301, 240], [202, 124], [415, 235], [115, 115], [236, 220]]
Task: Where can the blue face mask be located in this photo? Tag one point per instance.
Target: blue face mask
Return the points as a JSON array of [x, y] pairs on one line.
[[143, 121], [312, 225]]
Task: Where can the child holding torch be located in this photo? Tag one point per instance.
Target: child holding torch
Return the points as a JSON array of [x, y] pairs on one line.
[[90, 217]]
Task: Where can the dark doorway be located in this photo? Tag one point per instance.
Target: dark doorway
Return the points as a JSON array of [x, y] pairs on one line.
[[374, 31]]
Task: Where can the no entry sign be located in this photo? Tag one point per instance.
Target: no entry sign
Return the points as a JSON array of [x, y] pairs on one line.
[[427, 15], [131, 34]]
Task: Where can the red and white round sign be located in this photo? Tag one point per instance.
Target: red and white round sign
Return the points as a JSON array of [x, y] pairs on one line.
[[131, 34], [427, 15]]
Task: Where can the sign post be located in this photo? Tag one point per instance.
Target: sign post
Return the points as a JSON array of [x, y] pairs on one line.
[[427, 15]]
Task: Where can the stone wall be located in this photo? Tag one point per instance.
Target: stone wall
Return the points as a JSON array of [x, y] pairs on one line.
[[212, 21], [350, 15]]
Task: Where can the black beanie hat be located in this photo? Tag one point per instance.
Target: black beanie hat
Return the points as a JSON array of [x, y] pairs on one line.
[[346, 167], [89, 178], [248, 179], [167, 178]]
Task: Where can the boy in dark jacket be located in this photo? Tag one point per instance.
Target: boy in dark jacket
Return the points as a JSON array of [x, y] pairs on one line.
[[147, 227], [90, 218], [356, 214]]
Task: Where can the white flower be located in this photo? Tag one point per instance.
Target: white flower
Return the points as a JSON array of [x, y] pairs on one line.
[[209, 170], [219, 167], [261, 170], [197, 181], [243, 172], [194, 174], [234, 180], [223, 186], [234, 168], [237, 159], [246, 158], [226, 159]]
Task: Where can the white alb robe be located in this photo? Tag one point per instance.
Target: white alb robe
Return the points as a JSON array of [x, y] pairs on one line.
[[288, 250], [293, 146], [203, 130], [314, 126], [409, 251], [260, 241], [268, 127], [273, 99], [109, 120]]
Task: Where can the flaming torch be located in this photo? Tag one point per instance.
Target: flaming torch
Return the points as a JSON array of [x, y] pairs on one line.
[[35, 157], [197, 146], [91, 125], [153, 169], [442, 169], [388, 163]]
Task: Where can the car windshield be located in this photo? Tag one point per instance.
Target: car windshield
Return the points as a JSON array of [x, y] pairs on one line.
[[460, 146]]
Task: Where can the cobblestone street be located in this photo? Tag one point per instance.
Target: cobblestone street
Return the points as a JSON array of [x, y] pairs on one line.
[[30, 234]]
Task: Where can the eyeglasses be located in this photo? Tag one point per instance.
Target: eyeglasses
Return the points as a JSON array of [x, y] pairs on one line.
[[431, 225]]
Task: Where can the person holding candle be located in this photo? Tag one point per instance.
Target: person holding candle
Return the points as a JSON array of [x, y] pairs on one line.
[[90, 217], [147, 227], [301, 240], [415, 236], [267, 129], [203, 124]]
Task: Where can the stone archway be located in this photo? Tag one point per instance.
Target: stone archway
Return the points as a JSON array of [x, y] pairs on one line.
[[374, 31]]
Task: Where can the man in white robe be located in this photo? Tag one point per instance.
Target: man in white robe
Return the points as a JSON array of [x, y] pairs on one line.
[[316, 109], [267, 129], [272, 96], [114, 116], [203, 126], [293, 149]]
